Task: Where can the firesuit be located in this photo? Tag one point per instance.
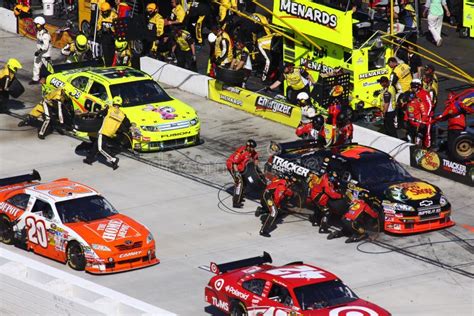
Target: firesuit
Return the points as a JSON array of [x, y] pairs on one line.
[[273, 197], [311, 129], [401, 77], [123, 54], [224, 48], [418, 115], [105, 28], [322, 193], [236, 164], [354, 221], [156, 27], [43, 49], [78, 51], [7, 75], [184, 49]]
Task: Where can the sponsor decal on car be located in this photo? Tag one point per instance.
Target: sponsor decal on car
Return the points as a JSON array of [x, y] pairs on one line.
[[412, 191], [130, 254], [57, 83], [112, 229], [353, 311], [231, 290], [220, 304], [166, 112], [231, 89], [374, 73], [282, 165], [266, 104], [9, 209], [218, 284], [298, 272], [429, 212]]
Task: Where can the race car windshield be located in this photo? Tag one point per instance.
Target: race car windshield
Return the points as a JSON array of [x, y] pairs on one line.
[[85, 209], [139, 93], [379, 170], [322, 295]]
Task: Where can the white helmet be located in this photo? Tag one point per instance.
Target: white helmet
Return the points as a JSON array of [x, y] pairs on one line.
[[311, 112], [39, 20], [302, 96], [211, 37]]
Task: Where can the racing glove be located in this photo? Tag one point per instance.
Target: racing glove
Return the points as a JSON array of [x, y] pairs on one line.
[[38, 52]]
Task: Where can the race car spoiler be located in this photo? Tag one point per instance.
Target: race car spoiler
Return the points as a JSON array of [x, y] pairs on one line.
[[233, 265], [81, 64], [282, 148], [21, 178]]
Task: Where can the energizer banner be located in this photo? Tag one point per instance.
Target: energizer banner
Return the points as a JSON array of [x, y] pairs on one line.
[[308, 13], [266, 104], [285, 166]]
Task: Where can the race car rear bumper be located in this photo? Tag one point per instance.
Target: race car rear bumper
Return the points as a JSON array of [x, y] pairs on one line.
[[410, 225]]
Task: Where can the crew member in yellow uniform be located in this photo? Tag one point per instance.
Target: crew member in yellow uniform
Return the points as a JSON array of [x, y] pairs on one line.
[[123, 54], [51, 107], [156, 26], [297, 80], [224, 12], [7, 75], [184, 49], [264, 44], [106, 32], [223, 47], [242, 60], [178, 14], [401, 76], [95, 11], [78, 51], [111, 124]]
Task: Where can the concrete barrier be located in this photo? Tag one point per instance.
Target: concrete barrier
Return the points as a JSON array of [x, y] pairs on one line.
[[7, 20], [29, 287], [175, 76]]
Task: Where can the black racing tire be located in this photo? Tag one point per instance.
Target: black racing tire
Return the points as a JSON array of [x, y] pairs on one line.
[[230, 77], [6, 231], [238, 308], [87, 123], [138, 47], [75, 256], [16, 88], [462, 148]]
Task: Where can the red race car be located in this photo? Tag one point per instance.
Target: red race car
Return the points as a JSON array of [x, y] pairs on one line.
[[254, 287], [70, 222]]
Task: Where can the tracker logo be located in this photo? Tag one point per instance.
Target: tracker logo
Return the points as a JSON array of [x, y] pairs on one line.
[[267, 104], [308, 13], [233, 291], [454, 167], [282, 165]]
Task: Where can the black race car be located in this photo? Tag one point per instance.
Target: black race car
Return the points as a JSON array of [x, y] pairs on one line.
[[407, 204]]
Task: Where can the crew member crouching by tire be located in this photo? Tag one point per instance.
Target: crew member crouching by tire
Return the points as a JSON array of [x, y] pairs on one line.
[[310, 130], [7, 75], [111, 124], [355, 222], [236, 164], [276, 192]]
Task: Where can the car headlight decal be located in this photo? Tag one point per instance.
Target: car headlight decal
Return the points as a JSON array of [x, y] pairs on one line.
[[403, 207], [149, 238]]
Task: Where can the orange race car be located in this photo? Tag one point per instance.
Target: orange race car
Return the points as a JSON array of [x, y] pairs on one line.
[[71, 222]]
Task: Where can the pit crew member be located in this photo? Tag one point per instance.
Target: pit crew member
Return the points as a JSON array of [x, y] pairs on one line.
[[387, 100], [420, 112], [7, 75], [77, 51], [400, 77], [242, 60], [223, 47], [236, 164], [184, 49], [156, 26], [123, 54], [311, 129], [43, 49], [106, 31], [297, 79]]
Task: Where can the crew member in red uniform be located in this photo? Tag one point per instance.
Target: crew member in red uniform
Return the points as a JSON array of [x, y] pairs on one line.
[[455, 112], [354, 222], [419, 114], [236, 164], [323, 192], [311, 129], [275, 194]]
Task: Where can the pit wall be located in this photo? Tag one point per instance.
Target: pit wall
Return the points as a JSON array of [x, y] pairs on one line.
[[260, 105]]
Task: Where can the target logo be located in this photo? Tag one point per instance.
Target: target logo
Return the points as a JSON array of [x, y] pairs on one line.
[[219, 284], [353, 311], [214, 268]]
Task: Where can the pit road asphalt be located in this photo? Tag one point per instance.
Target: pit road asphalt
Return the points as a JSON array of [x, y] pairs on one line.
[[191, 227]]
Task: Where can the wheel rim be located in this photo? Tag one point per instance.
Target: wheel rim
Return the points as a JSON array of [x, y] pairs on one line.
[[75, 255], [464, 148]]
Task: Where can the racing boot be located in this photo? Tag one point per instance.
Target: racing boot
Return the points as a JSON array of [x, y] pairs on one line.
[[264, 233], [27, 121], [356, 238], [335, 234], [88, 161], [115, 164], [258, 211], [324, 226]]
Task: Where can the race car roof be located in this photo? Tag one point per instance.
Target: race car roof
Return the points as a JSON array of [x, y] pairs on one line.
[[298, 274], [111, 75], [60, 190]]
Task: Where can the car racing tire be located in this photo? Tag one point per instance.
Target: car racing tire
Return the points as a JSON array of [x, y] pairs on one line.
[[75, 256], [230, 77], [238, 309], [6, 231], [462, 148], [87, 123]]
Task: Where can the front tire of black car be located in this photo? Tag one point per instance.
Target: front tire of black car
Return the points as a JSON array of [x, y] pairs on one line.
[[6, 231], [238, 309], [75, 256]]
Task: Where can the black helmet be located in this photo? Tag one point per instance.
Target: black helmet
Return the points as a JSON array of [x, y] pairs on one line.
[[318, 122], [251, 143], [363, 195]]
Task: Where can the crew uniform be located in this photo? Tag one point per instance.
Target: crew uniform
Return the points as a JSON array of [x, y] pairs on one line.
[[311, 129], [7, 75], [274, 195], [123, 54], [178, 14], [296, 79], [111, 124], [400, 76], [236, 164], [388, 101], [419, 114], [184, 49], [43, 49], [78, 51], [242, 60], [156, 27], [106, 29], [355, 221], [223, 49]]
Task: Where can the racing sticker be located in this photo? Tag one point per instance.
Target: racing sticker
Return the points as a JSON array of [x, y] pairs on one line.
[[374, 73], [298, 272], [235, 101], [113, 229], [9, 209], [412, 191], [428, 160], [219, 284], [282, 165], [267, 104], [166, 112], [353, 311], [454, 167]]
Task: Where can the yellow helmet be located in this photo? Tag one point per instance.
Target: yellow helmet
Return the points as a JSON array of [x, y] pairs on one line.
[[81, 42], [150, 7], [120, 45], [13, 64], [117, 100], [105, 7]]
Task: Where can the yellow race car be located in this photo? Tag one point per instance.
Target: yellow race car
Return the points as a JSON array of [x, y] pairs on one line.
[[160, 121]]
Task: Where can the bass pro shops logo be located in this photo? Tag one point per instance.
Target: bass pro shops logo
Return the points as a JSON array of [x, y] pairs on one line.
[[267, 104], [308, 13]]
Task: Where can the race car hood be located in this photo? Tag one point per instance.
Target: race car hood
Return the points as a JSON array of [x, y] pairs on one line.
[[160, 114], [357, 307], [112, 231], [415, 194]]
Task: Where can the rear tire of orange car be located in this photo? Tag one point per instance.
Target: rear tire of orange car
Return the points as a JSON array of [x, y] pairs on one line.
[[75, 256], [238, 309], [6, 231]]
